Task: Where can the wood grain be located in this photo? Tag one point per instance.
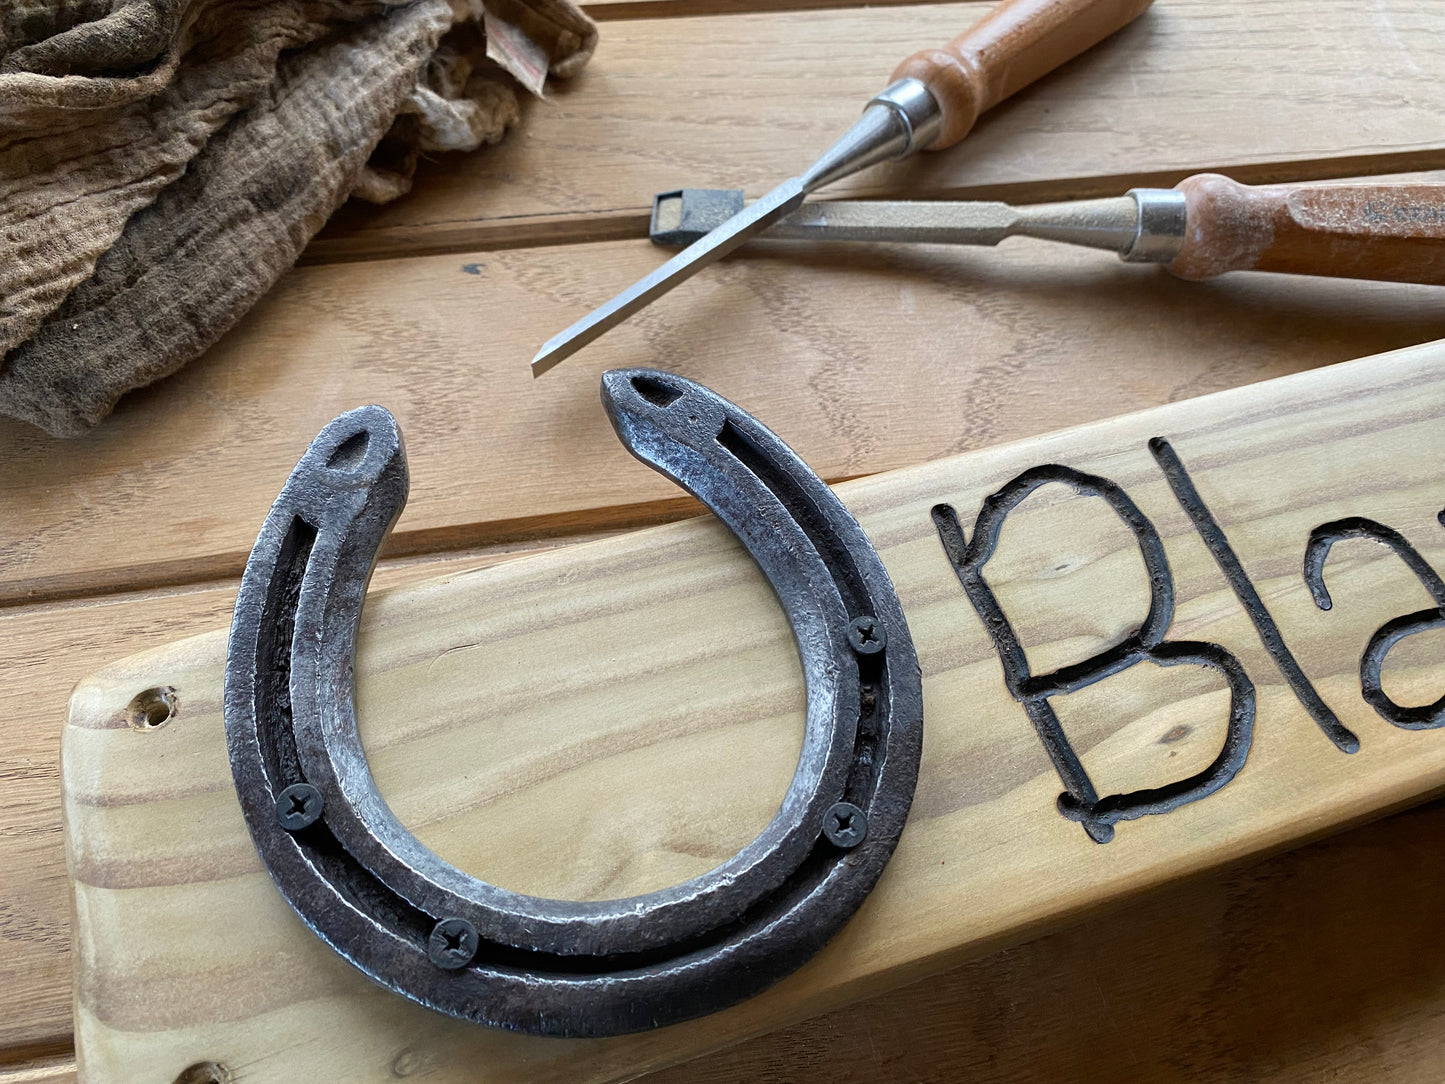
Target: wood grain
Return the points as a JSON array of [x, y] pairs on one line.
[[1319, 962], [748, 100], [44, 651], [653, 710], [176, 497], [838, 345], [1317, 965], [52, 1070]]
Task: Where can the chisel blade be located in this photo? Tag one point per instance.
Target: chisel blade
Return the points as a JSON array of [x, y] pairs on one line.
[[680, 218], [713, 246]]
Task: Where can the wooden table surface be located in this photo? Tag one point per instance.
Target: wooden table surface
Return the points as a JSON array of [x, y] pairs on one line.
[[1320, 964]]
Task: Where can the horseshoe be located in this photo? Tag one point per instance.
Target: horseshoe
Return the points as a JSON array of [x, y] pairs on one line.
[[424, 928]]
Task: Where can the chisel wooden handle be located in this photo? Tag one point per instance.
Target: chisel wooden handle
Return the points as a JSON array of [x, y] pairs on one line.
[[1394, 232], [1008, 49]]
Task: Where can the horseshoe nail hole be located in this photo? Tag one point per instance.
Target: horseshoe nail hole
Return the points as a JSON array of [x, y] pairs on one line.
[[204, 1072], [655, 391], [350, 452], [153, 707]]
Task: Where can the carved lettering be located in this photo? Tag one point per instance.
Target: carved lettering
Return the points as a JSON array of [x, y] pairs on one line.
[[1317, 552], [1080, 800], [1228, 562]]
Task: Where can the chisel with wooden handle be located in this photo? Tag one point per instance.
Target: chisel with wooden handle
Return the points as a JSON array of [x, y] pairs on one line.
[[1205, 226], [934, 99]]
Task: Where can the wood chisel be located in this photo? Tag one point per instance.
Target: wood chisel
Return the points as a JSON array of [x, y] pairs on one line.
[[934, 99], [1205, 226]]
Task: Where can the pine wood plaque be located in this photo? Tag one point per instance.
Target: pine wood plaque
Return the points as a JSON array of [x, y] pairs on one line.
[[1149, 646]]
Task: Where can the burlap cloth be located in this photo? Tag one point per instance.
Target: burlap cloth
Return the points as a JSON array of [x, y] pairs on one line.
[[163, 162]]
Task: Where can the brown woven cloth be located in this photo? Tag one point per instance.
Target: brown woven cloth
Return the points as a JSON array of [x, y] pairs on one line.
[[163, 162]]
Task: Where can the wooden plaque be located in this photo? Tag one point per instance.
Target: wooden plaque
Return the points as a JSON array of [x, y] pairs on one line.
[[614, 717]]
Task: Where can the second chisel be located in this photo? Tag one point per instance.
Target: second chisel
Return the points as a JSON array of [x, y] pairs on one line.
[[1207, 225]]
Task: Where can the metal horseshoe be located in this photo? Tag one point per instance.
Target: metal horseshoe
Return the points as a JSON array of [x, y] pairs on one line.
[[430, 931]]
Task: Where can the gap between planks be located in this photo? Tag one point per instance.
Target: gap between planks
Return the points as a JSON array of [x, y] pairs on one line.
[[397, 564], [490, 541]]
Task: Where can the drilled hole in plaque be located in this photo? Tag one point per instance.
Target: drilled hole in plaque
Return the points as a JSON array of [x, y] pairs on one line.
[[152, 708], [204, 1072], [590, 727]]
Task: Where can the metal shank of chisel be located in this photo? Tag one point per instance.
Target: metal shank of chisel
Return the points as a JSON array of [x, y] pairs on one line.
[[434, 933]]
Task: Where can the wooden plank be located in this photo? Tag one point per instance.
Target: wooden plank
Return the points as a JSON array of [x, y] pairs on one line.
[[1317, 965], [1320, 962], [986, 858], [836, 348], [1272, 90], [44, 651]]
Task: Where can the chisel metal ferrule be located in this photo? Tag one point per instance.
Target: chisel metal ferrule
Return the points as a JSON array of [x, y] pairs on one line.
[[917, 108], [1162, 225], [901, 120]]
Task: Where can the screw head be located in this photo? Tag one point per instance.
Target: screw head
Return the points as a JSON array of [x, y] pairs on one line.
[[845, 825], [866, 635], [298, 806], [452, 944]]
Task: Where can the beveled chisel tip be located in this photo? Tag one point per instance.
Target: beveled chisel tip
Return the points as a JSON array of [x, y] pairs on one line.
[[689, 261], [553, 350]]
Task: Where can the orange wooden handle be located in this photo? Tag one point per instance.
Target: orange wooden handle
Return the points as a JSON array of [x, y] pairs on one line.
[[1393, 232], [1008, 49]]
